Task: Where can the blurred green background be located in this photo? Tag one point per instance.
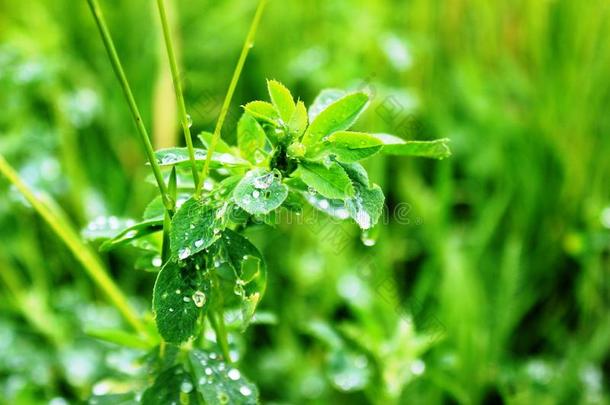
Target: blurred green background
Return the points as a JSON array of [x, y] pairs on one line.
[[490, 279]]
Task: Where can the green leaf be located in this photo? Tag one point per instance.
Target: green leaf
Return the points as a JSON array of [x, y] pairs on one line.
[[298, 122], [260, 191], [338, 116], [119, 337], [242, 272], [351, 147], [221, 146], [180, 297], [367, 205], [262, 110], [282, 99], [393, 145], [132, 233], [180, 157], [220, 383], [330, 182], [173, 386], [251, 138], [323, 100], [105, 227], [195, 226]]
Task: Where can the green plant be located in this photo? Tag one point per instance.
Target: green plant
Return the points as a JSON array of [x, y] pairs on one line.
[[286, 157]]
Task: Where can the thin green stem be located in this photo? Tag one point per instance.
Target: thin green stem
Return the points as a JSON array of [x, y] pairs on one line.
[[248, 44], [118, 70], [59, 224], [184, 119]]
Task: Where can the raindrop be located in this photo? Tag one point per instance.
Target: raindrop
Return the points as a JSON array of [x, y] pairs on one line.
[[199, 243], [186, 299], [157, 261], [184, 253], [245, 390], [178, 291], [234, 374], [263, 182], [256, 193], [208, 370], [199, 299], [189, 120], [171, 310], [324, 204], [186, 387]]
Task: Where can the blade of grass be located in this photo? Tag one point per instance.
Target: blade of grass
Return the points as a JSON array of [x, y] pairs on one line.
[[90, 262], [118, 70], [184, 120], [248, 44]]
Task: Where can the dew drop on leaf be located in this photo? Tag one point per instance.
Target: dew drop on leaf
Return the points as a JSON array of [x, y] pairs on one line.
[[184, 253], [199, 299], [234, 374], [186, 387], [256, 193], [199, 243], [189, 120], [245, 390]]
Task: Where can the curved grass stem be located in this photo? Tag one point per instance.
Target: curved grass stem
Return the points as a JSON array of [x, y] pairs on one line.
[[90, 262], [118, 70], [248, 44], [184, 119]]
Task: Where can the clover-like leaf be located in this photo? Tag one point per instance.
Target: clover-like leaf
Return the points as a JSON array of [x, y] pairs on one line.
[[260, 191], [351, 147], [180, 157], [132, 233], [298, 122], [251, 138], [330, 181], [282, 100], [367, 204], [173, 386], [242, 272], [393, 145], [338, 116], [263, 111], [220, 383], [221, 146], [180, 297], [325, 98], [196, 225]]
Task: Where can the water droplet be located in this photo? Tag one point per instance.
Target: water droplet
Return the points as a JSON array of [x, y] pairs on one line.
[[189, 120], [208, 370], [234, 374], [216, 231], [418, 367], [202, 380], [184, 253], [221, 211], [186, 387], [199, 299], [264, 181], [157, 261], [171, 310], [178, 291], [256, 193], [324, 204], [199, 243], [186, 299], [168, 158], [245, 390]]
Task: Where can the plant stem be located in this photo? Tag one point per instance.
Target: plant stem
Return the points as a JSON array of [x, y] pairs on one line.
[[184, 119], [118, 70], [248, 44], [59, 224]]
